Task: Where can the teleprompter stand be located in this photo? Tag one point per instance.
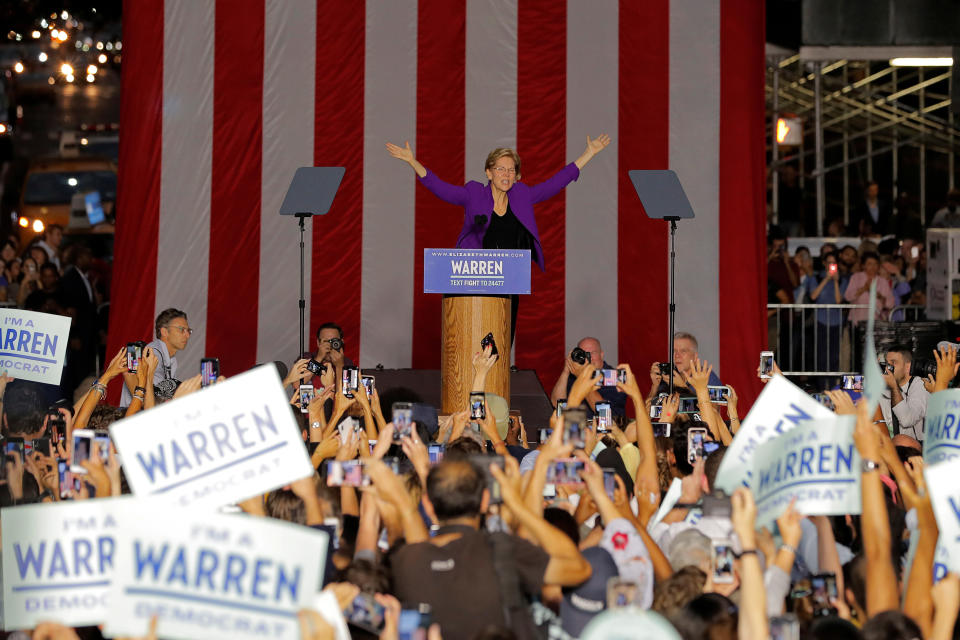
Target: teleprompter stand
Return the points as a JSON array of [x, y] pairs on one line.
[[310, 193], [663, 198]]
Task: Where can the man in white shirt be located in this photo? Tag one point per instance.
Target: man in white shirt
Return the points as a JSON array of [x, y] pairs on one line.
[[904, 402]]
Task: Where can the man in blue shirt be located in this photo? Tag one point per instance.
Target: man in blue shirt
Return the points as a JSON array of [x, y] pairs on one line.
[[829, 290], [686, 350], [571, 369]]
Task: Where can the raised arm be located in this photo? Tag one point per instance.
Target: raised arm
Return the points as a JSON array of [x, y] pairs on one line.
[[405, 153], [594, 147], [454, 194]]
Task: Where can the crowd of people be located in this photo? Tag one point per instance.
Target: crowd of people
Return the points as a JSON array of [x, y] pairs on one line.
[[490, 527]]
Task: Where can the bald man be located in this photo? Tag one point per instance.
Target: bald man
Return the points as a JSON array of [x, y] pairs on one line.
[[571, 369]]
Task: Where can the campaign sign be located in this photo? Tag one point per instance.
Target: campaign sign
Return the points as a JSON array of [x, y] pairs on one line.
[[815, 463], [941, 427], [33, 345], [476, 271], [59, 560], [208, 575], [217, 446], [945, 499], [780, 407]]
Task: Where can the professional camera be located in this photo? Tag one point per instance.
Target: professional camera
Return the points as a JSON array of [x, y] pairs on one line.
[[336, 344], [579, 356]]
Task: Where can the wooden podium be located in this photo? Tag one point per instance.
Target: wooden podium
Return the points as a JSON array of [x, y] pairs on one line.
[[476, 285]]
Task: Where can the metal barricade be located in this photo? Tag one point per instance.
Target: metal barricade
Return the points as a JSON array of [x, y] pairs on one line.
[[813, 339], [907, 313]]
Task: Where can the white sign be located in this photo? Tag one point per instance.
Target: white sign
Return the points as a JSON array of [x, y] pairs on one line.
[[941, 427], [780, 407], [33, 345], [217, 446], [207, 575], [817, 463], [945, 498], [58, 561]]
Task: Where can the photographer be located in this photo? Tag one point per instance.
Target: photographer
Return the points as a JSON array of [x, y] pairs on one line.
[[904, 402], [330, 346], [588, 350]]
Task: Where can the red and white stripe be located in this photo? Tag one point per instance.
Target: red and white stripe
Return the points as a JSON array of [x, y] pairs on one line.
[[224, 99]]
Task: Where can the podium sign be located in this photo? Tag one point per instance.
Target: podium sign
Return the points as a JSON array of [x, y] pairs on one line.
[[488, 272]]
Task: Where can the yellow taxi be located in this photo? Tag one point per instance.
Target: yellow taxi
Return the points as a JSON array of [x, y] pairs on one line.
[[53, 193]]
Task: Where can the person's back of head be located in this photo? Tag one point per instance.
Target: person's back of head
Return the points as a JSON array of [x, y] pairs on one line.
[[833, 628], [674, 593], [284, 504], [370, 576], [891, 625], [711, 466], [855, 581], [689, 548], [709, 616], [462, 448], [455, 489], [22, 409], [494, 632], [564, 521]]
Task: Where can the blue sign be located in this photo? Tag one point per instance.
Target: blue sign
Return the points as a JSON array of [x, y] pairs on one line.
[[476, 271]]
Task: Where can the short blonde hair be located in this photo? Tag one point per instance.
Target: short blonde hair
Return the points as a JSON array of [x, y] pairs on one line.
[[502, 152]]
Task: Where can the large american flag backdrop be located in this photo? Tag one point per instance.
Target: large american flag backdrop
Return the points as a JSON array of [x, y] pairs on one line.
[[224, 99]]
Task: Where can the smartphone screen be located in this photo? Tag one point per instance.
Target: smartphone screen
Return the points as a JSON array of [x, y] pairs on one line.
[[609, 482], [718, 394], [58, 428], [766, 365], [15, 446], [402, 413], [722, 561], [209, 371], [832, 269], [604, 416], [353, 473], [63, 469], [561, 407], [661, 429], [545, 434], [134, 353], [366, 613], [785, 627], [622, 593], [823, 587], [853, 383], [656, 410], [477, 409], [82, 445], [368, 384], [573, 428], [609, 377], [351, 381], [695, 439], [42, 445], [436, 452], [306, 397], [101, 440], [688, 405], [565, 471]]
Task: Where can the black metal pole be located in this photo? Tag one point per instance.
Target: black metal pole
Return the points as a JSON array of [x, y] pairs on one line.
[[673, 304], [303, 302]]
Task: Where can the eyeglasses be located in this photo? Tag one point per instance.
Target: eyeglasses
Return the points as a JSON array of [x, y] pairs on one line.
[[504, 170], [186, 330]]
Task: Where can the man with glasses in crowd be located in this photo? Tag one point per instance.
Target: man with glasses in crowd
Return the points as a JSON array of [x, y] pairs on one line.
[[173, 333]]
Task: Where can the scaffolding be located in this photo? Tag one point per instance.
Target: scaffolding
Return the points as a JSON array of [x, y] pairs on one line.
[[855, 113]]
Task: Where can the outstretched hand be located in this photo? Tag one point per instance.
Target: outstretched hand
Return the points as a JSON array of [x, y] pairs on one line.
[[404, 153], [598, 144]]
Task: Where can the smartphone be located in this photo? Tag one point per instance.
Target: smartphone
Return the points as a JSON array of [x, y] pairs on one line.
[[718, 394], [622, 593], [350, 381], [823, 587], [604, 417], [825, 400], [721, 561], [609, 377], [82, 446], [306, 397], [696, 436], [915, 252], [63, 471], [315, 367], [477, 409], [353, 473], [832, 269], [369, 383], [573, 428], [609, 482], [413, 623], [58, 427], [565, 471], [402, 413], [785, 627], [561, 407], [15, 445], [545, 434], [366, 613], [766, 365], [656, 410], [483, 462], [436, 452], [853, 383], [489, 341], [209, 371], [134, 353], [42, 445], [688, 405], [661, 429], [348, 426]]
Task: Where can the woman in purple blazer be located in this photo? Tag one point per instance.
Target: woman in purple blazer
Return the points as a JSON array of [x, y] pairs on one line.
[[499, 215]]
